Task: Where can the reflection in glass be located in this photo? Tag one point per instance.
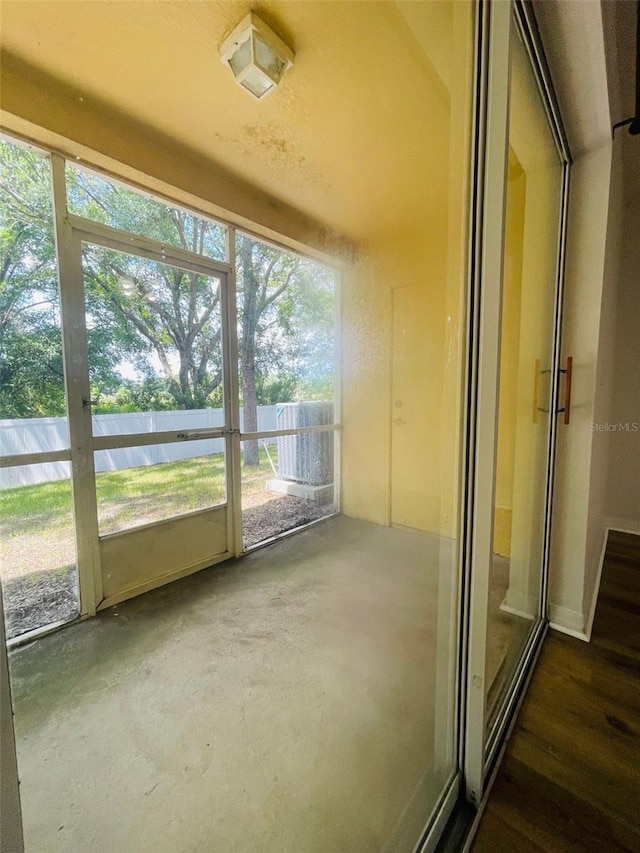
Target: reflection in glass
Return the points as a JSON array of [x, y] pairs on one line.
[[141, 485], [531, 244], [37, 547]]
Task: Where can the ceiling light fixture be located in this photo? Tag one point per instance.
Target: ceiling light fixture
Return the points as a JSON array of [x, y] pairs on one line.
[[256, 56]]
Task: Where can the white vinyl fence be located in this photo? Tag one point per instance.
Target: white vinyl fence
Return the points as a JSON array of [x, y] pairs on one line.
[[39, 435]]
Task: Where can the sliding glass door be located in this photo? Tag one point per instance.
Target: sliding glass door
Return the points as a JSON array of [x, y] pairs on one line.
[[519, 386]]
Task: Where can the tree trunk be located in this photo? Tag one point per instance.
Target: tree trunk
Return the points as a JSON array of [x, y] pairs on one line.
[[250, 404], [248, 352]]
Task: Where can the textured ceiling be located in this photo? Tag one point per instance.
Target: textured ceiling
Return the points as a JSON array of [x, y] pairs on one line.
[[348, 137]]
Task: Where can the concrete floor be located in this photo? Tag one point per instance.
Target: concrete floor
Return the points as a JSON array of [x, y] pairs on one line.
[[283, 702]]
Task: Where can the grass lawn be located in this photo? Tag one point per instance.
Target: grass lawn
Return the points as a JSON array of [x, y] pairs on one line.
[[36, 525], [134, 496]]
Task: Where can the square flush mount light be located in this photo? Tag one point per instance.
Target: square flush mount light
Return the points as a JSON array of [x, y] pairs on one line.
[[256, 56]]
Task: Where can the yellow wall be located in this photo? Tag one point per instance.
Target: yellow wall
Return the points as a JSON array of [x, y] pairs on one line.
[[364, 350], [393, 354], [402, 316]]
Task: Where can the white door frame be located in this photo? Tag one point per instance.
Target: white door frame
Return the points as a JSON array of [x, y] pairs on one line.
[[71, 232]]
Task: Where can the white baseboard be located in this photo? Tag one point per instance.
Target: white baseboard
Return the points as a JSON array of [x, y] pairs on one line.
[[514, 611], [623, 525], [579, 635], [570, 621], [567, 621]]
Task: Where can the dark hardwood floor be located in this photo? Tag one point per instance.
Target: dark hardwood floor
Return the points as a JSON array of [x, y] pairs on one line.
[[570, 779]]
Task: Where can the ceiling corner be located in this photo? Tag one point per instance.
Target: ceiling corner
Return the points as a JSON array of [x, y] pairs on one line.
[[573, 37]]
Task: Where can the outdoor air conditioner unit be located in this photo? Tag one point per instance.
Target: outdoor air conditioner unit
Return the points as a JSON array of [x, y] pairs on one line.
[[307, 458]]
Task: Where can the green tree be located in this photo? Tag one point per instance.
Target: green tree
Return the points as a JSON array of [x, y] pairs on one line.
[[154, 331], [264, 273], [146, 396], [31, 366], [31, 380], [164, 319]]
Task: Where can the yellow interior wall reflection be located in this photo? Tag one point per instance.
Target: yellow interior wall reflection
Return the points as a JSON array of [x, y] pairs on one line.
[[528, 305], [509, 354]]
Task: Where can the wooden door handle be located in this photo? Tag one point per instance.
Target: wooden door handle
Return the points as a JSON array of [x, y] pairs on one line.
[[566, 409], [568, 370]]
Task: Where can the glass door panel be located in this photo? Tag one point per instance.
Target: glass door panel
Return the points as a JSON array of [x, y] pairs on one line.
[[37, 550], [531, 251], [346, 642]]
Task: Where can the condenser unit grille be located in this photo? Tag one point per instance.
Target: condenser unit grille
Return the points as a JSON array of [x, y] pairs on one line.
[[306, 458]]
